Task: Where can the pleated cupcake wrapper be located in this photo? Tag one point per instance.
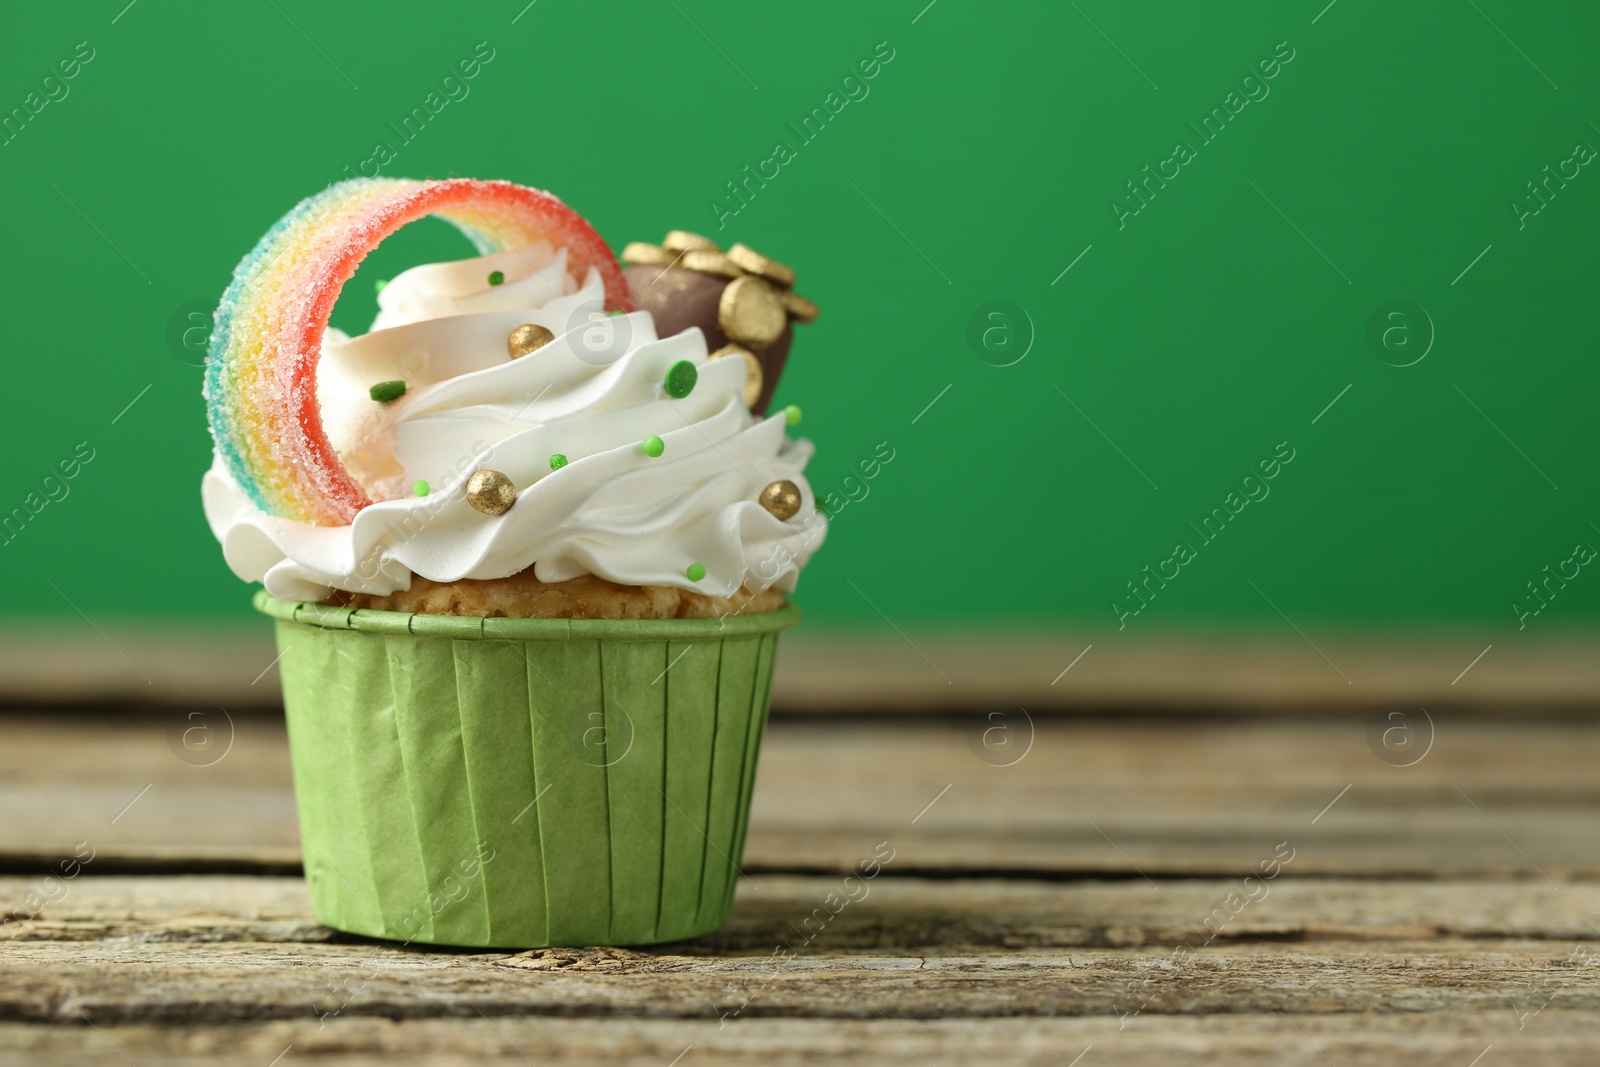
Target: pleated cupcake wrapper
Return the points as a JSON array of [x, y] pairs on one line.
[[523, 783]]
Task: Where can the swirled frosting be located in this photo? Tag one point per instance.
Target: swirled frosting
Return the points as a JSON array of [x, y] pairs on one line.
[[591, 395]]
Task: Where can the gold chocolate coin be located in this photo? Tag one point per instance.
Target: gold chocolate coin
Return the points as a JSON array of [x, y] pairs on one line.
[[527, 338], [639, 254], [491, 492], [802, 309], [752, 371], [749, 259], [782, 499], [683, 241], [709, 263], [751, 312]]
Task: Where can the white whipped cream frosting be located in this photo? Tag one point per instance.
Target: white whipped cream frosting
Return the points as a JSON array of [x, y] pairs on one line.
[[593, 395]]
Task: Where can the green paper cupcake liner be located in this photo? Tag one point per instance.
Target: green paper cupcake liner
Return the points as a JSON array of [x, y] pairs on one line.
[[523, 783]]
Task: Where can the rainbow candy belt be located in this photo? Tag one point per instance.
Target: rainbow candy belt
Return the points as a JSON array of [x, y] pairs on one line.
[[261, 372]]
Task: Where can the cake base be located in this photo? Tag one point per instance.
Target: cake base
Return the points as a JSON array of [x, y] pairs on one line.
[[522, 596]]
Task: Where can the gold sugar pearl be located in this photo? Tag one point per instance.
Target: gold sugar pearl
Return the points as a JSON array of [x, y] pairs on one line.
[[639, 254], [782, 499], [753, 378], [802, 309], [682, 241], [528, 338], [491, 492], [751, 312], [749, 259], [709, 263]]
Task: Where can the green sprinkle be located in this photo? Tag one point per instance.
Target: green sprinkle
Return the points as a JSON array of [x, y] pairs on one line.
[[496, 277], [653, 445], [614, 314], [420, 488], [380, 284], [557, 461], [791, 415], [384, 392], [681, 377], [696, 571]]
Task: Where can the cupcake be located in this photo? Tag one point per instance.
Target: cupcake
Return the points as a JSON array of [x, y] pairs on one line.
[[529, 550]]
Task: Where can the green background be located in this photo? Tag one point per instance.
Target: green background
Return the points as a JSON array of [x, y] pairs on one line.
[[1213, 325]]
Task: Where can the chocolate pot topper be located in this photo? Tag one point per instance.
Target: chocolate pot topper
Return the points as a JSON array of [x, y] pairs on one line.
[[743, 302]]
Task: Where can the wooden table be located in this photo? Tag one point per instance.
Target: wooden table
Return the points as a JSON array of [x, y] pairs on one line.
[[1152, 890]]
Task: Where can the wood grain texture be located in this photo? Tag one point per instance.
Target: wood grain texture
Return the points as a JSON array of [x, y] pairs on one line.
[[1555, 1038], [830, 671], [1091, 895], [183, 984], [914, 917], [200, 966], [1155, 797]]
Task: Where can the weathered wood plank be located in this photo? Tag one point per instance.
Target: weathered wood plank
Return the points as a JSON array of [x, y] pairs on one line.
[[1555, 1038], [893, 915], [127, 951], [187, 783], [189, 983], [877, 668], [1154, 797], [1362, 968]]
